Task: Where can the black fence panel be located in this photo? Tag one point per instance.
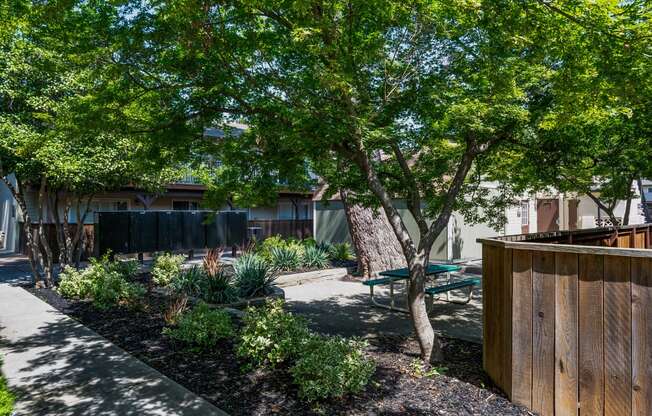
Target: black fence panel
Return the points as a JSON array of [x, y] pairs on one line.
[[145, 235], [148, 231], [113, 232]]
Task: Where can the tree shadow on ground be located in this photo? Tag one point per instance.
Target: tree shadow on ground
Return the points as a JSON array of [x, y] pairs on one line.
[[68, 370]]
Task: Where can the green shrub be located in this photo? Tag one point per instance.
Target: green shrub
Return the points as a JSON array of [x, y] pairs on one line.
[[284, 258], [315, 257], [166, 267], [202, 326], [309, 242], [253, 275], [100, 282], [264, 248], [271, 336], [6, 397], [189, 282], [195, 282], [332, 367], [127, 268], [341, 252], [218, 288]]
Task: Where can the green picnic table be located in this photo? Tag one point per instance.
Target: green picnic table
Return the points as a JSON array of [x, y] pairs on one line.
[[389, 277]]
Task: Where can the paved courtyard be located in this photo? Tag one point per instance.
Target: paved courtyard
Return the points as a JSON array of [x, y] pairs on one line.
[[343, 307]]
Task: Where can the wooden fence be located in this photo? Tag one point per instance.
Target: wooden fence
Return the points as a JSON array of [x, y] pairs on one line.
[[568, 327], [261, 229]]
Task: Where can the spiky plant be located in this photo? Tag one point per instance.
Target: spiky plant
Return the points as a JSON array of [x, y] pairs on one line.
[[315, 257], [253, 275], [285, 258], [212, 262]]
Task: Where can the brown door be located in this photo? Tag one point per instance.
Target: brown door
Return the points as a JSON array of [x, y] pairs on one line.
[[547, 215], [572, 214]]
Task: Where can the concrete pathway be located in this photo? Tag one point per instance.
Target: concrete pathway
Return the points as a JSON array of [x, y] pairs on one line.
[[343, 308], [57, 366]]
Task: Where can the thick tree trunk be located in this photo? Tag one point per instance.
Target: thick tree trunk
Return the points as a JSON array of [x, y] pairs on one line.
[[374, 241]]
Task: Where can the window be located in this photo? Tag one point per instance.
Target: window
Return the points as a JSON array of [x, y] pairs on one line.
[[185, 205], [525, 212], [120, 206]]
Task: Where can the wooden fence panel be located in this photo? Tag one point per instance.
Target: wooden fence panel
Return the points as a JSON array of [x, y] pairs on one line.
[[581, 321], [590, 335], [617, 336], [543, 332], [566, 384], [641, 336], [522, 328]]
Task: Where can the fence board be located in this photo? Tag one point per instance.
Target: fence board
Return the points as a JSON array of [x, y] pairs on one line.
[[566, 270], [591, 352], [641, 336], [492, 331], [543, 332], [617, 336], [522, 328]]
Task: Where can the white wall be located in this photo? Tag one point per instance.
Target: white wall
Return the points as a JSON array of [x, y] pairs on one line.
[[8, 217]]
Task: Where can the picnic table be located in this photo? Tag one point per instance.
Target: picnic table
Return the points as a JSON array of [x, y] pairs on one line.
[[389, 277]]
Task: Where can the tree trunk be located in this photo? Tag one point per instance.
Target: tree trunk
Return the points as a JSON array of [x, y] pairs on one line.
[[431, 351], [47, 260], [374, 241]]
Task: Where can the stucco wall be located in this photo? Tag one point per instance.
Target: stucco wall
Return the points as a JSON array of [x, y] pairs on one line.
[[331, 226]]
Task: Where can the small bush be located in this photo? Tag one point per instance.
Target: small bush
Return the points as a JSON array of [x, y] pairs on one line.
[[315, 257], [341, 252], [212, 263], [126, 268], [284, 258], [271, 336], [202, 327], [332, 367], [100, 282], [264, 248], [6, 397], [189, 282], [166, 267], [253, 275], [218, 288], [176, 306]]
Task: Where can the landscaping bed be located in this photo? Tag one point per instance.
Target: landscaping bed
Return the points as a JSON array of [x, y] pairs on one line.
[[398, 385]]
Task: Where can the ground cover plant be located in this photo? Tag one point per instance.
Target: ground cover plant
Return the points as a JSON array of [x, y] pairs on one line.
[[6, 397]]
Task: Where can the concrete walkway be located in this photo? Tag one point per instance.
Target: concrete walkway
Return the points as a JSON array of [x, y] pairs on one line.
[[57, 366], [343, 308]]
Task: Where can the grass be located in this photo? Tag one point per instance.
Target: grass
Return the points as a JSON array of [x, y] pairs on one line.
[[6, 397]]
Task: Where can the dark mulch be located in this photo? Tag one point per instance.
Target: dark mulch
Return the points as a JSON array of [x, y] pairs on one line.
[[463, 389]]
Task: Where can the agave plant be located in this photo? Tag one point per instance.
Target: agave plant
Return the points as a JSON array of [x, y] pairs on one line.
[[253, 275], [284, 258], [315, 257]]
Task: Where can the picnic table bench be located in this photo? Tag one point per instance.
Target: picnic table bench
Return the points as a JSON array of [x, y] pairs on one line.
[[389, 277]]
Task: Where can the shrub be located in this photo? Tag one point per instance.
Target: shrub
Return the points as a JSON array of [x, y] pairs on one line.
[[264, 248], [315, 257], [166, 267], [284, 258], [253, 275], [332, 367], [176, 307], [212, 262], [6, 397], [218, 288], [189, 282], [195, 282], [100, 282], [271, 336], [202, 326], [341, 252], [126, 268]]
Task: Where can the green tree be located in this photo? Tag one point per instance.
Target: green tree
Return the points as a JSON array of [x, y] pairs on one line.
[[387, 99]]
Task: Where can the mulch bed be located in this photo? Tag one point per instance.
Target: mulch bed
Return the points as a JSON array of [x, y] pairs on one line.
[[217, 375]]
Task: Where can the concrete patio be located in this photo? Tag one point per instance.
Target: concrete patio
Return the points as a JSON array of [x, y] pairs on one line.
[[344, 308]]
